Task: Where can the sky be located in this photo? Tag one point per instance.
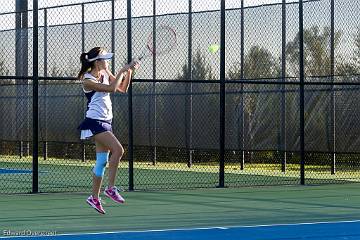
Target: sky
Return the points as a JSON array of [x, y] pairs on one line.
[[262, 25], [71, 14], [164, 5]]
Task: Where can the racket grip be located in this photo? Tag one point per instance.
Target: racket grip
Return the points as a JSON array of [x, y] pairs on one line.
[[135, 60], [138, 60]]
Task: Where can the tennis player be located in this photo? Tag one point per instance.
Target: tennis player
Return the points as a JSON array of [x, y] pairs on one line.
[[98, 83]]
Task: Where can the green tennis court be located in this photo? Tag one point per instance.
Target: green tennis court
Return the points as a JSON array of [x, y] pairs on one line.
[[68, 213]]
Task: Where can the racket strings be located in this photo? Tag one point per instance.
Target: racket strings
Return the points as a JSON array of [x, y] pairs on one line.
[[165, 40]]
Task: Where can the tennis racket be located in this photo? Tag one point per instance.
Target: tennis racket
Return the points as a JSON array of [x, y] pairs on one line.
[[164, 42]]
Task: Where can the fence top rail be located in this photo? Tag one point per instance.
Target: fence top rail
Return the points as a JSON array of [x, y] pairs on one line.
[[101, 1], [276, 81]]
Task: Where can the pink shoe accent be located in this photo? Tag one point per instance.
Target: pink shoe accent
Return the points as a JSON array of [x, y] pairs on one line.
[[114, 194], [96, 204]]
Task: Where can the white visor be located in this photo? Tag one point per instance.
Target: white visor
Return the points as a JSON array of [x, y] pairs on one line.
[[103, 55]]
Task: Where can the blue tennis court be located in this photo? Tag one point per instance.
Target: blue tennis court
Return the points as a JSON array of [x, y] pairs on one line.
[[321, 231], [14, 171], [17, 171]]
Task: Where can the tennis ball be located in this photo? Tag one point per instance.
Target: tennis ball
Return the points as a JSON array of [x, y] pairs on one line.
[[213, 48]]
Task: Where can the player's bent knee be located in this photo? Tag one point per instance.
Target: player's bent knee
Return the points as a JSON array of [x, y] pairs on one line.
[[118, 152], [100, 165], [121, 149]]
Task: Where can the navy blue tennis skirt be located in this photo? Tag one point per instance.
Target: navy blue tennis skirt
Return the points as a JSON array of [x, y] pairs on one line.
[[90, 127]]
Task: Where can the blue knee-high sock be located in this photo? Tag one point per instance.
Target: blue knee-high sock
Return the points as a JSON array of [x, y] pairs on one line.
[[100, 165]]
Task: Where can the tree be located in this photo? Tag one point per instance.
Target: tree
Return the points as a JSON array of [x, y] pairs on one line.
[[344, 68], [357, 48], [57, 72], [70, 71], [200, 69], [317, 62], [352, 67], [201, 99], [3, 69], [259, 63], [316, 51]]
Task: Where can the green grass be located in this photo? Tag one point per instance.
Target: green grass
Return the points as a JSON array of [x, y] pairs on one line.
[[58, 175]]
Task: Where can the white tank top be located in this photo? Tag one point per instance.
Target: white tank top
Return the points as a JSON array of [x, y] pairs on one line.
[[99, 103]]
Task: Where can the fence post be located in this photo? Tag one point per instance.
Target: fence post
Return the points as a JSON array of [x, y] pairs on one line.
[[222, 96], [21, 151], [153, 98], [130, 107], [302, 88], [35, 187], [241, 119], [333, 96], [45, 146], [282, 134], [189, 89], [113, 35], [82, 27], [21, 69], [83, 151]]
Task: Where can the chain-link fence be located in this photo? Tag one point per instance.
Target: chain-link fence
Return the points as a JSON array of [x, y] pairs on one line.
[[240, 116]]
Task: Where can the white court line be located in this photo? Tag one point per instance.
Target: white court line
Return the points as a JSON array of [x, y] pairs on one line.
[[191, 229]]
